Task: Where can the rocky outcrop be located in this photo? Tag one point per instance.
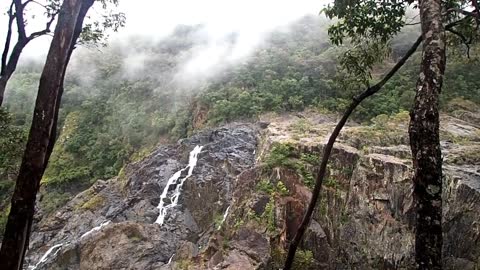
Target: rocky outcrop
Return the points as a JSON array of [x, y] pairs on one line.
[[127, 207], [366, 208], [245, 199], [123, 245], [365, 219]]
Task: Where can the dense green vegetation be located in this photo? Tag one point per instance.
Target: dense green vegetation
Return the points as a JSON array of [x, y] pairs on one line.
[[460, 82], [121, 102], [300, 70], [110, 113], [292, 72], [285, 155], [12, 141]]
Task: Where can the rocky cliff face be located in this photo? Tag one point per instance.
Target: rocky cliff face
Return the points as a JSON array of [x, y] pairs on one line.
[[127, 207], [246, 196]]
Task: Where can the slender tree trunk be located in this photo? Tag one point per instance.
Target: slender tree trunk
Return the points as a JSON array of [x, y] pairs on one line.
[[9, 63], [11, 66], [6, 49], [40, 141], [76, 35], [3, 85], [425, 140], [8, 68]]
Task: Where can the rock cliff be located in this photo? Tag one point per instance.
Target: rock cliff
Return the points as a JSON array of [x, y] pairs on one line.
[[246, 195]]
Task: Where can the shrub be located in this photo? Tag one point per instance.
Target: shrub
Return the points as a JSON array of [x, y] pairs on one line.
[[303, 260], [94, 203], [280, 156], [269, 216], [269, 188]]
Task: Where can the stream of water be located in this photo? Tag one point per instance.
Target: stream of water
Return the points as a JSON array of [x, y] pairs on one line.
[[225, 215], [52, 252], [168, 199]]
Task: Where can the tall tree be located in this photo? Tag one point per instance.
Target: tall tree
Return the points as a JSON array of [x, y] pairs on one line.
[[367, 20], [93, 32], [425, 139], [10, 59], [41, 136]]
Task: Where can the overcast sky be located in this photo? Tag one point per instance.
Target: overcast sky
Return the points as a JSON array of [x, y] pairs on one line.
[[155, 19]]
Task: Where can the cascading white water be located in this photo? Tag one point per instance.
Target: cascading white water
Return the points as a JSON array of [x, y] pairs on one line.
[[224, 218], [174, 180], [162, 209], [162, 206], [170, 260], [99, 227], [45, 256], [58, 247]]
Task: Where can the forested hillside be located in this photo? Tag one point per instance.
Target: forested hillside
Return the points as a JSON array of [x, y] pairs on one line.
[[125, 99]]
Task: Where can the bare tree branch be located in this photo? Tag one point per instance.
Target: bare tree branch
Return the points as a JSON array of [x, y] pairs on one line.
[[35, 2], [44, 31], [8, 40], [27, 2], [465, 41], [410, 24], [19, 7], [462, 11]]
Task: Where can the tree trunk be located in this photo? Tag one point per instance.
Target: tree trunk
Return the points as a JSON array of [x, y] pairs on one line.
[[41, 136], [11, 66], [425, 140], [76, 35], [3, 85]]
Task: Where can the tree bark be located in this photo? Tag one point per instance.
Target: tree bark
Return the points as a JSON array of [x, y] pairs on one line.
[[41, 136], [76, 35], [8, 67], [3, 85], [425, 139], [8, 39], [11, 66]]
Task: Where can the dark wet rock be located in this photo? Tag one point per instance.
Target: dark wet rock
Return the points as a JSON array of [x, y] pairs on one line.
[[259, 204], [263, 124], [252, 243], [316, 240], [364, 220], [235, 260], [130, 200], [124, 245]]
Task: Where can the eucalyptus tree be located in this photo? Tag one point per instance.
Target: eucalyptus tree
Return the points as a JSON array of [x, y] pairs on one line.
[[21, 13], [371, 24]]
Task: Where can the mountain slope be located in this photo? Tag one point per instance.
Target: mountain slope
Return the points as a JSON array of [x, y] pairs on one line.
[[247, 193]]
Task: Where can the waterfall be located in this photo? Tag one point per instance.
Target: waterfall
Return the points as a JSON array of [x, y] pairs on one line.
[[175, 180], [224, 218], [50, 252], [99, 227], [45, 256], [170, 260]]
